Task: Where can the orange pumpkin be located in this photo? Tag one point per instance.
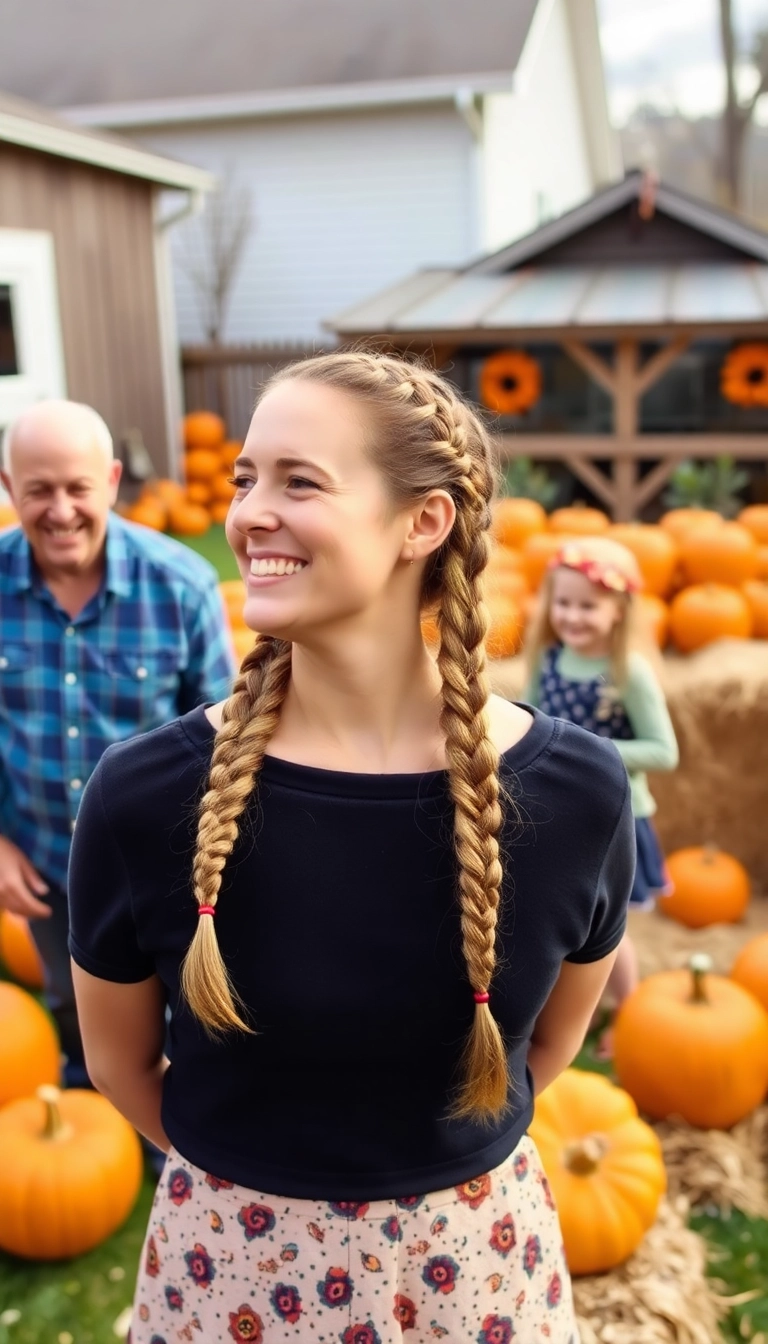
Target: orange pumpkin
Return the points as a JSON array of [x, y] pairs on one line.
[[229, 452], [188, 520], [755, 519], [243, 641], [18, 950], [29, 1049], [8, 516], [70, 1175], [756, 593], [509, 583], [605, 1167], [692, 1044], [710, 887], [578, 520], [654, 617], [222, 488], [198, 492], [762, 563], [203, 429], [723, 554], [678, 522], [750, 969], [504, 637], [233, 596], [219, 511], [655, 551], [201, 464], [514, 520], [164, 489], [537, 552], [150, 512], [705, 612]]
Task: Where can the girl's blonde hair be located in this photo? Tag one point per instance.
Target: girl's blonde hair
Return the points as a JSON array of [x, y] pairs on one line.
[[424, 438], [605, 557]]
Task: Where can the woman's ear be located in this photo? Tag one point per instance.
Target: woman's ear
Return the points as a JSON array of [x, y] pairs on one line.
[[429, 525]]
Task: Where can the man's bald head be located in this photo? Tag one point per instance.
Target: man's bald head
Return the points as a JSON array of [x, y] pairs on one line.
[[58, 421]]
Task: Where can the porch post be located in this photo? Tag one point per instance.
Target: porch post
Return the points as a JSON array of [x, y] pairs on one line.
[[625, 422]]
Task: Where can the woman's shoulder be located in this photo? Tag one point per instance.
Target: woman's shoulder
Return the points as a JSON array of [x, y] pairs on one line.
[[157, 763]]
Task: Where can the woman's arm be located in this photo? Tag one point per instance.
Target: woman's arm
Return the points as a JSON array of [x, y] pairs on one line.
[[654, 746], [564, 1020], [123, 1030]]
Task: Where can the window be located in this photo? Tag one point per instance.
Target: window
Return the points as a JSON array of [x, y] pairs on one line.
[[8, 362], [31, 356]]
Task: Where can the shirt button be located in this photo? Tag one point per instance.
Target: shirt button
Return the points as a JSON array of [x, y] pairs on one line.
[[73, 732], [3, 662], [70, 630], [75, 784], [70, 679], [141, 673]]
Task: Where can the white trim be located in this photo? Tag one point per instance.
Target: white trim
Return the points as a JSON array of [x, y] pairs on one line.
[[602, 139], [71, 143], [287, 102], [28, 267]]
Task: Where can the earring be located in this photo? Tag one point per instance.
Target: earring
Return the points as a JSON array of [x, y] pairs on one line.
[[410, 558]]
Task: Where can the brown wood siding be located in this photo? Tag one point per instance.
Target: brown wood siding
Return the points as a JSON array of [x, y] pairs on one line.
[[102, 229], [623, 239]]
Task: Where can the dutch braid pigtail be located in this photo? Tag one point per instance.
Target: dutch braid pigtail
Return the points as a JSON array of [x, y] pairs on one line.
[[249, 719], [473, 765]]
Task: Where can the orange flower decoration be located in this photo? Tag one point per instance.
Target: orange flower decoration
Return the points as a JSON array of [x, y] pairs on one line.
[[475, 1191], [510, 382], [744, 375]]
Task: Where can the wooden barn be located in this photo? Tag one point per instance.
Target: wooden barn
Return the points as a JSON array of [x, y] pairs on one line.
[[86, 307], [620, 339]]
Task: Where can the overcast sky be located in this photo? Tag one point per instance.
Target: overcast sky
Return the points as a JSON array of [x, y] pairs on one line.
[[668, 52]]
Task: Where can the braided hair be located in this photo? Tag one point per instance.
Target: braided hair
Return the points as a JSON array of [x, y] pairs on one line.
[[425, 438]]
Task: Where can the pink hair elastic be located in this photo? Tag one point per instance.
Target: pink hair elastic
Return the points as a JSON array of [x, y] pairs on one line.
[[206, 909], [483, 997]]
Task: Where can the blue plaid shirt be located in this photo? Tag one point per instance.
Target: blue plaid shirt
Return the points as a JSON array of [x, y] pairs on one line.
[[150, 645]]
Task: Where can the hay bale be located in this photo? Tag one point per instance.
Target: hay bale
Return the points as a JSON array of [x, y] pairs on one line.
[[663, 945], [660, 1296], [713, 1166], [718, 700]]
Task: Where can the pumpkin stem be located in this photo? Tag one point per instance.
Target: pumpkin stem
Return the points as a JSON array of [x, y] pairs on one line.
[[699, 965], [582, 1157], [54, 1129], [709, 852]]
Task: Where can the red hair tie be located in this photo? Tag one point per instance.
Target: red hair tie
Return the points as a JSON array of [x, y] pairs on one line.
[[482, 997], [206, 910]]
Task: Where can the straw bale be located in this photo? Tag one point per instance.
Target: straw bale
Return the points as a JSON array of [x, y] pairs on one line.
[[712, 1166], [662, 944], [660, 1296], [718, 700]]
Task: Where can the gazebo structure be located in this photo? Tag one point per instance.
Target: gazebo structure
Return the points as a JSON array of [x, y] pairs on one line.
[[619, 339]]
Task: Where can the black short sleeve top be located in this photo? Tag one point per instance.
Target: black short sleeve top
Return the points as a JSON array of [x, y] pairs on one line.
[[338, 920]]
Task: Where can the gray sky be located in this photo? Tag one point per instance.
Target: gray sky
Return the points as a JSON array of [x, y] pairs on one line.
[[668, 52]]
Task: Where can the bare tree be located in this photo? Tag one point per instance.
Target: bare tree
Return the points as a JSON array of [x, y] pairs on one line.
[[215, 252], [737, 114]]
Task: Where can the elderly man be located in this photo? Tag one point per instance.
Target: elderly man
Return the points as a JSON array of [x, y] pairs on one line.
[[106, 630]]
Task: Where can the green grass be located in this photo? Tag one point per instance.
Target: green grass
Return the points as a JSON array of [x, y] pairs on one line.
[[212, 545]]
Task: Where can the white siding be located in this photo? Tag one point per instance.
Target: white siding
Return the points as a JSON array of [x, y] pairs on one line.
[[535, 159], [343, 206]]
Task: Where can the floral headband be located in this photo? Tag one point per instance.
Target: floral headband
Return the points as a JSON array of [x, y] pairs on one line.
[[601, 572]]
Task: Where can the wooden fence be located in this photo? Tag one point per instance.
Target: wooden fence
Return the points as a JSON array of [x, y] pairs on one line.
[[227, 378]]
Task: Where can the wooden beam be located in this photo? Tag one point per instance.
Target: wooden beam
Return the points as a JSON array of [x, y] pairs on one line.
[[657, 365], [592, 364], [556, 446], [625, 421], [593, 478], [648, 446], [656, 479]]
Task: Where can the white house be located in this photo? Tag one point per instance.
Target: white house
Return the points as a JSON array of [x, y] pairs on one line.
[[374, 138]]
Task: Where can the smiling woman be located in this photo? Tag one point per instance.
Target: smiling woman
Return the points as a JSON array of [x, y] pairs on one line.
[[337, 893]]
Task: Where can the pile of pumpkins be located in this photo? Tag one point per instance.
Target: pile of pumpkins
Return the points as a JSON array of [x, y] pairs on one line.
[[704, 578], [190, 508], [72, 1165]]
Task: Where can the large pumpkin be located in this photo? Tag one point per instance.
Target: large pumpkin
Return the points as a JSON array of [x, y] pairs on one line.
[[705, 612], [150, 512], [679, 521], [203, 429], [514, 520], [721, 553], [655, 551], [188, 520], [750, 969], [70, 1174], [578, 520], [756, 593], [202, 464], [755, 518], [710, 887], [762, 562], [229, 452], [654, 617], [692, 1044], [29, 1049], [538, 552], [18, 950], [604, 1165], [504, 636], [8, 516], [233, 595]]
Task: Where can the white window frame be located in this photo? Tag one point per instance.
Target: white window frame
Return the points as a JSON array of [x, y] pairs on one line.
[[28, 268]]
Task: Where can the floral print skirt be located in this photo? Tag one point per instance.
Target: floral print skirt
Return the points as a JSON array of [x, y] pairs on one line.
[[479, 1263]]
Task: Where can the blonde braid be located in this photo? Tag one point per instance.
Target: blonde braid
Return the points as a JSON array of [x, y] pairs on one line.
[[249, 719]]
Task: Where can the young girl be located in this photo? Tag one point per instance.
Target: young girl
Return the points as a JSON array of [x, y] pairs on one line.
[[582, 667], [380, 903]]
